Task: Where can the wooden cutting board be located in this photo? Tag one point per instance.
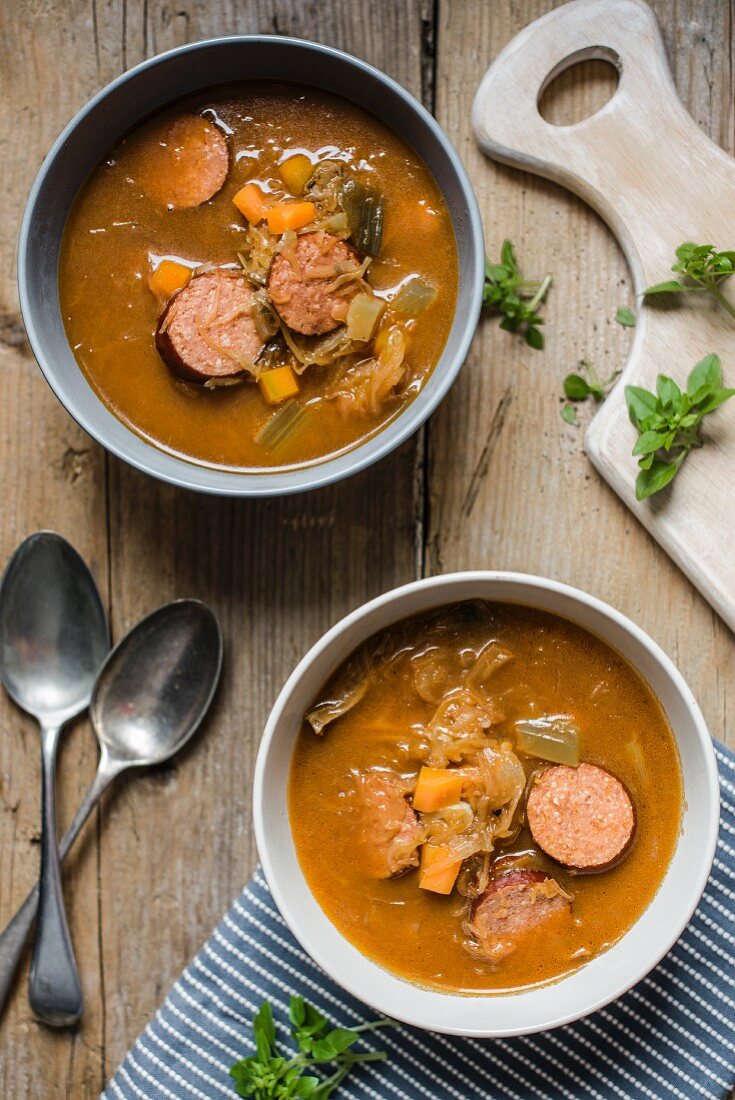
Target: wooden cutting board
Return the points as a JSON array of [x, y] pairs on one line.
[[657, 180]]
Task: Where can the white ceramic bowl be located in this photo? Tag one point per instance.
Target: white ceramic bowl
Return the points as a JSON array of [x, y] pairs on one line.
[[605, 977]]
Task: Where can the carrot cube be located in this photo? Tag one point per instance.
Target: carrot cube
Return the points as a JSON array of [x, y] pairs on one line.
[[252, 203], [278, 385], [168, 277], [290, 215], [439, 869], [436, 788]]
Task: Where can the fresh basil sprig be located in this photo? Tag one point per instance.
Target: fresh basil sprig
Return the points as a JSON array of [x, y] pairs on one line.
[[703, 268], [268, 1075], [516, 298], [668, 422]]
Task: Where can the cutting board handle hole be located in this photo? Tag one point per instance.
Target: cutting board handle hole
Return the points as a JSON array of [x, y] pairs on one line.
[[579, 86]]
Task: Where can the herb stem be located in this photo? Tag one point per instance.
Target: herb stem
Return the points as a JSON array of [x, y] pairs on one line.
[[723, 300], [540, 293], [373, 1024]]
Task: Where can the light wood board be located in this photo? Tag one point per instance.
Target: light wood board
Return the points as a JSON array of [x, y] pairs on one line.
[[656, 179], [497, 480]]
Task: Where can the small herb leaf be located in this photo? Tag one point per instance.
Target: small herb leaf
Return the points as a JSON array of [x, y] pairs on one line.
[[706, 375], [625, 317], [576, 388], [641, 404], [569, 414], [655, 477]]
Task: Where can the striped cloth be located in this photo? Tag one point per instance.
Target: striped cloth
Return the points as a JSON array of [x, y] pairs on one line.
[[671, 1036]]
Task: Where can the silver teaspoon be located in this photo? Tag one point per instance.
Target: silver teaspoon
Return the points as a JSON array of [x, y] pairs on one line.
[[150, 696], [53, 638]]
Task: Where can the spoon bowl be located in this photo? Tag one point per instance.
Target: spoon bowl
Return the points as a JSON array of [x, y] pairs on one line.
[[157, 684], [53, 629]]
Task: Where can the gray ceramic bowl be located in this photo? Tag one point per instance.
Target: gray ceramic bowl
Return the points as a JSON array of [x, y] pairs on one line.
[[149, 87]]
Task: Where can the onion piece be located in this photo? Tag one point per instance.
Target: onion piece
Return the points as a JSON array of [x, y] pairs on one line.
[[345, 693], [363, 316], [414, 297], [554, 737], [280, 425]]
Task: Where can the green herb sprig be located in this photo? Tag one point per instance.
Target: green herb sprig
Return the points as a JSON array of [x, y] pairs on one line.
[[579, 388], [517, 299], [268, 1075], [703, 269], [668, 422]]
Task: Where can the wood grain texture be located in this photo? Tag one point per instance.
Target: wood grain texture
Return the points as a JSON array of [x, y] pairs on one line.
[[497, 480], [653, 196]]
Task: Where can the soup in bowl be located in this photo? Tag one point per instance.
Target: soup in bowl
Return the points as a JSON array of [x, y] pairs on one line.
[[257, 285], [486, 804]]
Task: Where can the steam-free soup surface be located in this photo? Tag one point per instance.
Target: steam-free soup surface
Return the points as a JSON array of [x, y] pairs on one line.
[[527, 664], [120, 229]]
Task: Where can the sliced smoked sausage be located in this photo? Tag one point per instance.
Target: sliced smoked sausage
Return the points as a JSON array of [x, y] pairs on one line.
[[305, 282], [581, 817], [514, 905], [183, 163], [389, 829], [207, 329]]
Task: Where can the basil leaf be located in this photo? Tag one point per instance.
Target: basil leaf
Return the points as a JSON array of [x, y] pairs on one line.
[[336, 1042], [669, 287], [264, 1032], [655, 478], [569, 414], [667, 390], [576, 388], [297, 1011], [707, 375], [649, 443], [640, 402], [625, 317], [715, 400]]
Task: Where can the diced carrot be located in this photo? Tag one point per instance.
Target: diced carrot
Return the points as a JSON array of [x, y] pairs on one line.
[[168, 277], [290, 215], [278, 384], [436, 788], [252, 203], [439, 869], [296, 171]]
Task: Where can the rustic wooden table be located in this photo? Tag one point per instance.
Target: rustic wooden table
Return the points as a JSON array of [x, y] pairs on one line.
[[495, 480]]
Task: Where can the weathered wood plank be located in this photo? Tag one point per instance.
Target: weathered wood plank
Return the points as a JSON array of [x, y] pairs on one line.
[[518, 493], [52, 476]]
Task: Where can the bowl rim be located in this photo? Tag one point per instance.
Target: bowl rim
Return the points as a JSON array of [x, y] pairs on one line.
[[444, 583], [146, 456]]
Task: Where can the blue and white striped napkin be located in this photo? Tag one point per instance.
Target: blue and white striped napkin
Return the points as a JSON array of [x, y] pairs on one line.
[[673, 1036]]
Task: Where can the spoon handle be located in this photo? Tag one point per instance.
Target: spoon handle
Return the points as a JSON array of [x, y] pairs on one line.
[[54, 990], [15, 935]]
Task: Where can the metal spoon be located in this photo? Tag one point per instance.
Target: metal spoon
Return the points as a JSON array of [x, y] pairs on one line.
[[150, 696], [53, 637]]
